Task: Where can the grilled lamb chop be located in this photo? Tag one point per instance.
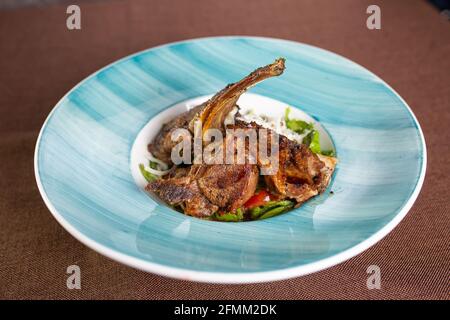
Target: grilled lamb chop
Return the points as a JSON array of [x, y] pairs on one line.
[[204, 189], [212, 113], [301, 173]]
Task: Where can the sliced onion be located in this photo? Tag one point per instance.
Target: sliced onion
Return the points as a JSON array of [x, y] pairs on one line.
[[157, 172], [163, 165]]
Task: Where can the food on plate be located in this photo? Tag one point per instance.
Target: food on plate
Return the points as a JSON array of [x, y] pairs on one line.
[[240, 181]]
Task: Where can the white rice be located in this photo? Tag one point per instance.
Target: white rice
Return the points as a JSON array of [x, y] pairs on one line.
[[277, 124]]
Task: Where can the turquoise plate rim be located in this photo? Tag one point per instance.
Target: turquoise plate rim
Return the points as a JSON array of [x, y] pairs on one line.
[[233, 277]]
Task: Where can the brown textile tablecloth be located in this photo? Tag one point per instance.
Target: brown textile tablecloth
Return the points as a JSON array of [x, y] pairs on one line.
[[40, 60]]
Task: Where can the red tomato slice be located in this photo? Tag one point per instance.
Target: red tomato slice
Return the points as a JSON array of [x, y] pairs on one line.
[[258, 199]]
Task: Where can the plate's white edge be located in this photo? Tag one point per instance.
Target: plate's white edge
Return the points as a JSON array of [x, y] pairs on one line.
[[222, 277]]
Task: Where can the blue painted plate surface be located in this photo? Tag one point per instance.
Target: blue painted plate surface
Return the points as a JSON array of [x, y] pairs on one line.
[[83, 153]]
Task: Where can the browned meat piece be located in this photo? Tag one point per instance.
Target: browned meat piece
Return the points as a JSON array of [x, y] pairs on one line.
[[326, 172], [301, 173], [161, 146], [212, 113], [179, 172], [206, 188], [229, 186], [185, 193]]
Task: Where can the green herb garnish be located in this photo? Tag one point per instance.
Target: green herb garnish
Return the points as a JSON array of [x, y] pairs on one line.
[[298, 126], [312, 140]]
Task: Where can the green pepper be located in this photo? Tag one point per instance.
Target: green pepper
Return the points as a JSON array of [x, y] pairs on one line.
[[275, 211], [257, 212], [236, 216], [147, 175]]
